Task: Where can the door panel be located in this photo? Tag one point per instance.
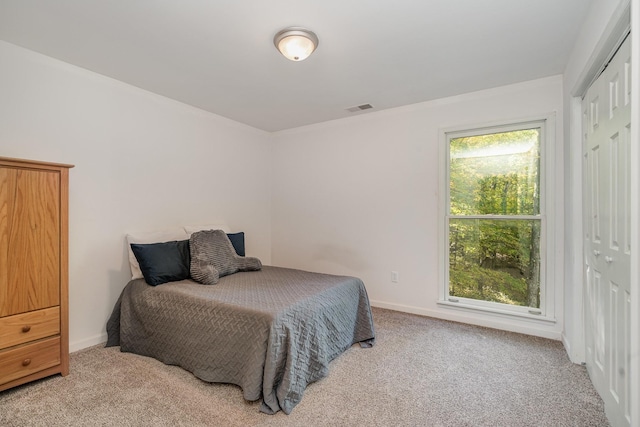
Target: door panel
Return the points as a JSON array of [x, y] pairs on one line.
[[7, 186], [29, 225]]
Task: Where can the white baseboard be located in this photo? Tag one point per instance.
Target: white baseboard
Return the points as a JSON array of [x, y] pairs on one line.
[[87, 342], [575, 356], [438, 314], [456, 316], [567, 346]]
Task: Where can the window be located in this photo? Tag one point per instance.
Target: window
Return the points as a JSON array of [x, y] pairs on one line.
[[494, 219]]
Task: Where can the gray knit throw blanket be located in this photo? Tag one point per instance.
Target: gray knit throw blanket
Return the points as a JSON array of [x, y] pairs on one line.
[[213, 256]]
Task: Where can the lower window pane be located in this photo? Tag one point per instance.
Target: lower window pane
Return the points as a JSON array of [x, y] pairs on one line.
[[495, 260]]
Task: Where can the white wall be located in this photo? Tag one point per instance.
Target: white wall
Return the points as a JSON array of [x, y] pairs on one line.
[[598, 31], [359, 196], [142, 162]]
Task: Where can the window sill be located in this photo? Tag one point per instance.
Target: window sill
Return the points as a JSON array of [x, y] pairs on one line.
[[463, 306]]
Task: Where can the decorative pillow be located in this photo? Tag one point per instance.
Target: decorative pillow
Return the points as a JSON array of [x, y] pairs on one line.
[[163, 262], [237, 240], [177, 233], [213, 256]]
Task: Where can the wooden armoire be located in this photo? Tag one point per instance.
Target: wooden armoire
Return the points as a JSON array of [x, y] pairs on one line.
[[34, 330]]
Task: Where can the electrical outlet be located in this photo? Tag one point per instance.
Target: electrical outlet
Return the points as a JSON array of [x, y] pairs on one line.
[[394, 277]]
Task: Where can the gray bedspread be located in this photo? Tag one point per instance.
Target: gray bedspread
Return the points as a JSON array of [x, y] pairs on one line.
[[271, 332]]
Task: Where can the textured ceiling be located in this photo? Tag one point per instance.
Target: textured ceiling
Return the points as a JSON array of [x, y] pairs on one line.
[[219, 55]]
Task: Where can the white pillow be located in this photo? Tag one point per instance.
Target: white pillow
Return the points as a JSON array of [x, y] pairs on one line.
[[190, 229], [169, 235]]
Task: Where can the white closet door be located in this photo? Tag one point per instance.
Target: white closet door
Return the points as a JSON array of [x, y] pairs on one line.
[[607, 130]]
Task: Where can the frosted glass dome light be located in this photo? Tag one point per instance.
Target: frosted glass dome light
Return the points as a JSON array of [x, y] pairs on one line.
[[295, 43]]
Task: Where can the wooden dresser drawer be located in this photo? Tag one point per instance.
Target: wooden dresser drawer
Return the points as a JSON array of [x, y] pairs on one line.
[[25, 327], [28, 359]]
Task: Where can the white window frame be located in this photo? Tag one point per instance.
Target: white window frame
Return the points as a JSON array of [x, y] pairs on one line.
[[546, 312]]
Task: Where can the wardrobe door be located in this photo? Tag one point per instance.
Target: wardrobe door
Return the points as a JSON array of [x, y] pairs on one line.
[[29, 240], [7, 185]]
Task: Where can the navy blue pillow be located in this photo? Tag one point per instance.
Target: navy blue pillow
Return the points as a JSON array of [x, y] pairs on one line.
[[237, 240], [163, 262]]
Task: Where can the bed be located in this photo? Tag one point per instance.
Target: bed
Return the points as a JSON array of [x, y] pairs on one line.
[[271, 332]]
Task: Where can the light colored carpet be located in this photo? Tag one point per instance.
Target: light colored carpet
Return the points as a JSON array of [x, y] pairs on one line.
[[421, 372]]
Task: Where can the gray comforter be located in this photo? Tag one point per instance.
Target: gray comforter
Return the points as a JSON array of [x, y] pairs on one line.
[[271, 332]]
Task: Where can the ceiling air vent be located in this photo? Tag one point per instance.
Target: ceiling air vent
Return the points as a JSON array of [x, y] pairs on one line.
[[359, 108]]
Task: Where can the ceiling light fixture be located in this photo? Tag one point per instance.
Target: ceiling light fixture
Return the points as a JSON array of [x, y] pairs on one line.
[[296, 43]]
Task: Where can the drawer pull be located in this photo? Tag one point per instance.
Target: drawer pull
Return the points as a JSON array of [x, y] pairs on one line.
[[26, 329], [26, 362]]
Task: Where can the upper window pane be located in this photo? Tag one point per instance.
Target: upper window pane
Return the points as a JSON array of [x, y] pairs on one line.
[[495, 174]]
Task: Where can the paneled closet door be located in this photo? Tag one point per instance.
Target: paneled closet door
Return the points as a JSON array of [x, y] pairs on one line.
[[29, 240], [607, 130]]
